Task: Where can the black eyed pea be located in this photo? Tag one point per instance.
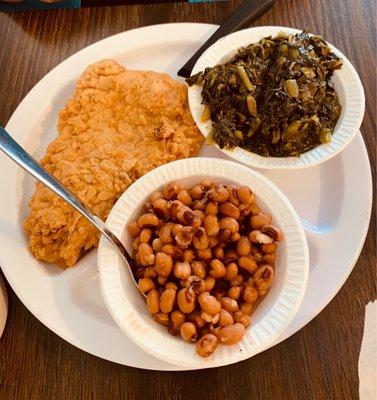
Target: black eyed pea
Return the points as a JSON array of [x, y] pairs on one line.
[[235, 237], [258, 257], [188, 332], [217, 269], [230, 224], [176, 229], [146, 284], [133, 229], [175, 207], [244, 246], [230, 256], [197, 285], [231, 271], [157, 245], [136, 244], [207, 345], [163, 264], [229, 210], [171, 285], [153, 301], [182, 270], [161, 318], [211, 208], [237, 280], [173, 251], [213, 241], [244, 195], [218, 193], [146, 255], [200, 240], [269, 258], [209, 283], [225, 318], [205, 254], [260, 220], [262, 292], [161, 280], [234, 292], [198, 269], [269, 248], [229, 304], [172, 189], [224, 235], [167, 300], [211, 225], [264, 276], [199, 205], [186, 300], [148, 220], [254, 209], [145, 235], [247, 264], [184, 196], [246, 308], [233, 195], [187, 217], [218, 252], [209, 318], [200, 214], [274, 233], [196, 319], [150, 272], [244, 210], [197, 192], [257, 236], [177, 318], [165, 233], [231, 334], [250, 294], [184, 237], [209, 304], [189, 256], [160, 208], [242, 318]]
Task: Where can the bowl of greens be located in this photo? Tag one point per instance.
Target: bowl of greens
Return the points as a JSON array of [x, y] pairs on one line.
[[276, 97]]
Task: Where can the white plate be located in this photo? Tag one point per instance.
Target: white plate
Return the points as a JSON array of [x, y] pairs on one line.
[[271, 317], [336, 216], [346, 83], [3, 305]]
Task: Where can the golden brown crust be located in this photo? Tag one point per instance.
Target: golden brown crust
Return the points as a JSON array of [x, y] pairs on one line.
[[118, 125]]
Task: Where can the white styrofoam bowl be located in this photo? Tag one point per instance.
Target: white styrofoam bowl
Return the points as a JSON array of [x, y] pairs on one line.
[[273, 315], [346, 83]]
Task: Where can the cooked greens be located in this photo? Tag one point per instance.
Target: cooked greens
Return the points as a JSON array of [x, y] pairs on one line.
[[274, 97]]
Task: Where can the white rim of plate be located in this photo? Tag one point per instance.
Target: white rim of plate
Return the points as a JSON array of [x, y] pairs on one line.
[[258, 337], [347, 127]]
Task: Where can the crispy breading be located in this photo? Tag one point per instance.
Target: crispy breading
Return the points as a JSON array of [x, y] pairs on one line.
[[119, 125]]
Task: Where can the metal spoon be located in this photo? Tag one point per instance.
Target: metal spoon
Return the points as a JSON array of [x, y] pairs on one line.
[[13, 150]]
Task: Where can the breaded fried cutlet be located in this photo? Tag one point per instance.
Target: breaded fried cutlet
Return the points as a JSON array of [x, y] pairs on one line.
[[118, 125]]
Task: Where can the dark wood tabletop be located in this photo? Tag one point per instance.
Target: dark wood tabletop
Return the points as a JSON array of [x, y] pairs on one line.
[[318, 362]]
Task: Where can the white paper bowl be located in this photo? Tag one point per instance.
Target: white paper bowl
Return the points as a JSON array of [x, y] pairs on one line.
[[127, 306], [346, 83]]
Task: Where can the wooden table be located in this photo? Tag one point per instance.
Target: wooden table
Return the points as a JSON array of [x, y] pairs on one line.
[[320, 361]]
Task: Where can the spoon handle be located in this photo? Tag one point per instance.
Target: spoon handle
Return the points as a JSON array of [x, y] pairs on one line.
[[248, 12], [13, 150]]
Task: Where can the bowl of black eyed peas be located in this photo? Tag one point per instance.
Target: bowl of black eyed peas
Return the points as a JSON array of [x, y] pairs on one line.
[[221, 263]]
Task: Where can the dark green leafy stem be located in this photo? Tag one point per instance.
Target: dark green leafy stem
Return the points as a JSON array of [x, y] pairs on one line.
[[273, 98]]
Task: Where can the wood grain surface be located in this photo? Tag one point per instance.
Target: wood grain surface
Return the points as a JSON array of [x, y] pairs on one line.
[[320, 361]]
